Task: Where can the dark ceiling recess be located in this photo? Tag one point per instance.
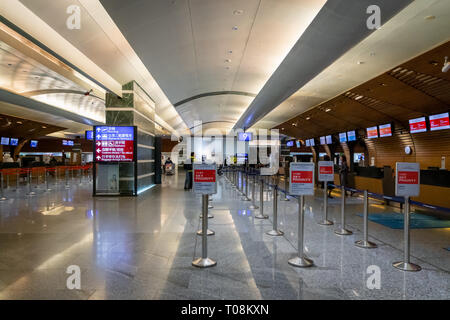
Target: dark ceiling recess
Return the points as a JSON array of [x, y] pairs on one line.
[[13, 127], [413, 89], [340, 25]]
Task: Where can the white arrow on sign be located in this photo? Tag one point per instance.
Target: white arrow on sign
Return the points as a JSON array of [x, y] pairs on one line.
[[98, 157], [99, 143], [98, 129], [99, 150], [99, 136]]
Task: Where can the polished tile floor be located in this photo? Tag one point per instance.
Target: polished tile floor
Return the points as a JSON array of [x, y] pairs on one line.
[[142, 248]]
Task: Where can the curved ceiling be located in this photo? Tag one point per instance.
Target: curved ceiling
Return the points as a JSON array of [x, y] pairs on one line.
[[193, 47]]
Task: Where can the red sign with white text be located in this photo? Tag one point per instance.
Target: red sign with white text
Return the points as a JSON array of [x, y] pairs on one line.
[[301, 177], [326, 170], [418, 125], [385, 130], [372, 132], [440, 121], [408, 177], [205, 176]]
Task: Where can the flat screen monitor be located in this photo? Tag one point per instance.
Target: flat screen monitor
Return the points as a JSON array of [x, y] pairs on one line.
[[308, 143], [322, 140], [418, 125], [4, 141], [439, 122], [329, 140], [64, 142], [312, 142], [385, 130], [245, 136], [298, 143], [33, 143], [290, 144], [89, 135], [70, 143], [342, 137], [351, 135], [14, 141], [372, 132]]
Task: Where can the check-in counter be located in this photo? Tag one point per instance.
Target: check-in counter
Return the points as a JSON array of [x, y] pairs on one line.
[[434, 188]]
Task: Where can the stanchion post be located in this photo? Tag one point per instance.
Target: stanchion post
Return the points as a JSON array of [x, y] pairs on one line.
[[261, 214], [406, 265], [275, 232], [17, 179], [301, 260], [365, 243], [342, 230], [253, 206], [2, 195], [286, 188], [66, 175], [204, 261], [325, 221], [30, 177]]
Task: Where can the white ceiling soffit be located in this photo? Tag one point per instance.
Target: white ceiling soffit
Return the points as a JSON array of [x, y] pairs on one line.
[[339, 26], [419, 27], [98, 48], [197, 47]]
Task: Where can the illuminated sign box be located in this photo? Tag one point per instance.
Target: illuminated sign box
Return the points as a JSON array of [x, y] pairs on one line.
[[308, 143], [4, 141], [298, 144], [114, 144], [245, 136], [418, 125], [322, 140], [14, 141], [342, 137], [312, 142], [439, 122], [372, 132], [351, 135], [329, 140], [290, 144], [385, 130], [89, 135], [33, 143]]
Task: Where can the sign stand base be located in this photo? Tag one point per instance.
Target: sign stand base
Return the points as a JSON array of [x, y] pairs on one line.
[[343, 232], [406, 266], [365, 244], [204, 263], [301, 262], [208, 233], [325, 223], [274, 233]]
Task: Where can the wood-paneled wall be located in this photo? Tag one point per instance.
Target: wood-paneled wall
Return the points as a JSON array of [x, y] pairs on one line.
[[427, 149]]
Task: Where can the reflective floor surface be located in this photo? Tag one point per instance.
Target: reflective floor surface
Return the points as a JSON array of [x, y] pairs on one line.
[[142, 248]]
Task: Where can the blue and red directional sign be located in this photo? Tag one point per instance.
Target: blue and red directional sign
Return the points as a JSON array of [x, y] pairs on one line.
[[114, 144]]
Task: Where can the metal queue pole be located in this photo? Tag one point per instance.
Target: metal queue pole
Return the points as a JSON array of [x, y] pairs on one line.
[[233, 183], [7, 181], [245, 196], [342, 230], [275, 232], [66, 178], [30, 177], [365, 243], [209, 216], [17, 179], [286, 188], [406, 265], [253, 206], [2, 194], [301, 261], [46, 181], [261, 214], [204, 261], [325, 221], [81, 176]]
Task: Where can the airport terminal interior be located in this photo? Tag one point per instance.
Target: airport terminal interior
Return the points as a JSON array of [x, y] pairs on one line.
[[224, 150]]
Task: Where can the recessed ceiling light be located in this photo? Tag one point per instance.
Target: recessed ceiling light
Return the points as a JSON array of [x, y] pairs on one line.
[[383, 84], [360, 62], [235, 28], [238, 12], [228, 60], [282, 128], [327, 110], [19, 122], [307, 118], [434, 63], [430, 17], [358, 97]]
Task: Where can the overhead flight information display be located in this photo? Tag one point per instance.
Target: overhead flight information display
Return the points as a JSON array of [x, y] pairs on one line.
[[114, 144]]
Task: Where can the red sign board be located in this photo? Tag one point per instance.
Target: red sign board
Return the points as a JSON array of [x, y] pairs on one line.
[[408, 177], [372, 132], [326, 170], [440, 121], [114, 144], [418, 125], [205, 176], [385, 130], [301, 177]]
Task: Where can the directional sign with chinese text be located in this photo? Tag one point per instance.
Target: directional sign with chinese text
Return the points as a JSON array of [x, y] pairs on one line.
[[114, 143], [326, 171], [407, 182], [302, 178], [205, 178]]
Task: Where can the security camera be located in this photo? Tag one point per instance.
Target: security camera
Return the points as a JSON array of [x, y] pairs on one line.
[[446, 66]]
